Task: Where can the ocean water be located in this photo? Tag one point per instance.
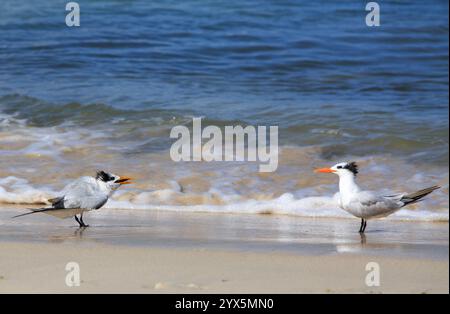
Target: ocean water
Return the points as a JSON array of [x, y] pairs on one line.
[[105, 95]]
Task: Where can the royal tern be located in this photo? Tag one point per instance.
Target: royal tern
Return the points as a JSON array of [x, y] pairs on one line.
[[365, 204], [83, 194]]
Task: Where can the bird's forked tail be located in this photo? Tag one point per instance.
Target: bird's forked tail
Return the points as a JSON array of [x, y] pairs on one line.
[[417, 196]]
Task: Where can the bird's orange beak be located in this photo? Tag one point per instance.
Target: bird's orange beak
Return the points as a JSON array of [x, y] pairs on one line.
[[325, 170], [124, 180]]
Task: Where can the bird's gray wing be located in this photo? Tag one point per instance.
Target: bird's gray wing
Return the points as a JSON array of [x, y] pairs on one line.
[[74, 207], [88, 202], [84, 193], [78, 196], [372, 205]]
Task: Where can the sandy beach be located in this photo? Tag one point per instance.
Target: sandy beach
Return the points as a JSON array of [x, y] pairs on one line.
[[165, 252]]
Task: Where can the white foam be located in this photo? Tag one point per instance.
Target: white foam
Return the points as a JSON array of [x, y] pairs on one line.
[[15, 190], [7, 120], [286, 204], [43, 141]]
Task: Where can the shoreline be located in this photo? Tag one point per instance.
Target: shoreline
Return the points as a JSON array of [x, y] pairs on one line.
[[166, 252], [234, 232]]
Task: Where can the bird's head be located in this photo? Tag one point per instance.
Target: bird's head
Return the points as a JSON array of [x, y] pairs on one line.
[[341, 169], [111, 181]]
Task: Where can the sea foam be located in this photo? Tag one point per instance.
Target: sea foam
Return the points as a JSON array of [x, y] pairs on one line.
[[15, 190]]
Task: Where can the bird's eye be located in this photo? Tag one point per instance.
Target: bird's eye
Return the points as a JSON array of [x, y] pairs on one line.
[[339, 167]]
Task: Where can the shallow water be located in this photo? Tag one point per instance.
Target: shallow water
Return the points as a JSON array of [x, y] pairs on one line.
[[258, 233], [106, 95]]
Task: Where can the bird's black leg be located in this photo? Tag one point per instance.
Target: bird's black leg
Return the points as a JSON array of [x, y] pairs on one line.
[[82, 222], [79, 222], [365, 225], [362, 225]]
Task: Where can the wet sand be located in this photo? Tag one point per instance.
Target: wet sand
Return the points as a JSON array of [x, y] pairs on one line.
[[154, 252]]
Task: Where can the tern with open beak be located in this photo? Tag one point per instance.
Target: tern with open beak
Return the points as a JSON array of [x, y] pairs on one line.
[[83, 194], [365, 204]]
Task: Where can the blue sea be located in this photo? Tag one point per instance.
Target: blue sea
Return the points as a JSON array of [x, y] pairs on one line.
[[105, 95]]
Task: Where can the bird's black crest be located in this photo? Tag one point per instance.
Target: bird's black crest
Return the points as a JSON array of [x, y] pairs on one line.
[[353, 167], [105, 177]]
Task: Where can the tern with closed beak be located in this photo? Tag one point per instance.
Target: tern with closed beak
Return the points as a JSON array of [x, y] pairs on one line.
[[365, 204], [83, 194]]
